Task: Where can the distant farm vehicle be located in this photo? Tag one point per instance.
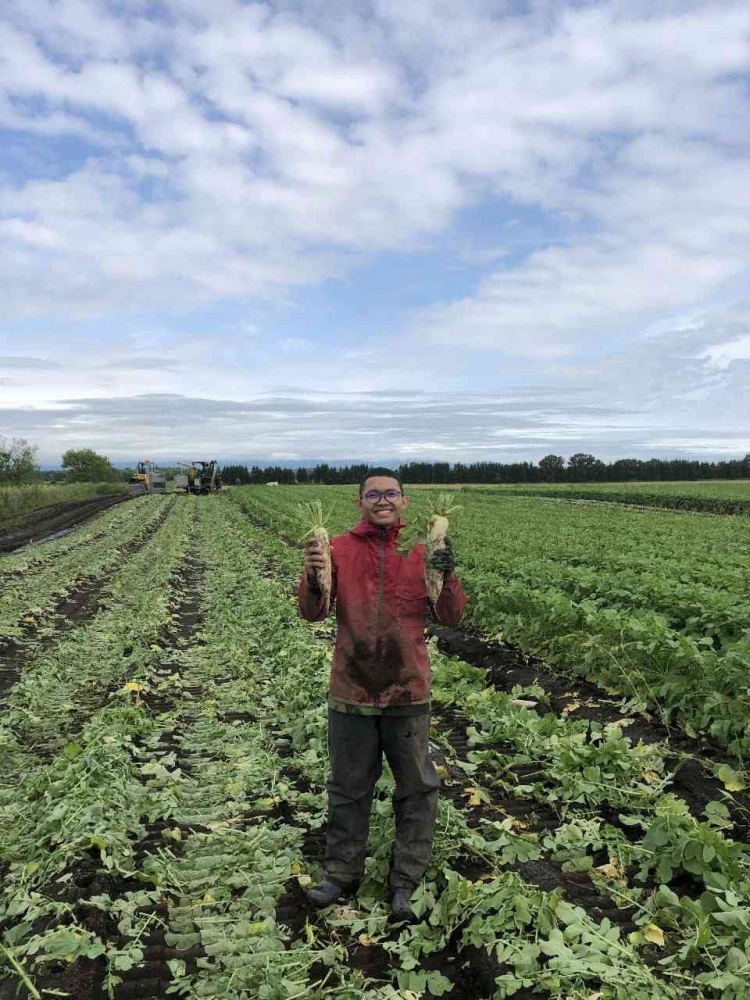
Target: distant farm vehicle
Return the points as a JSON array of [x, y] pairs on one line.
[[147, 479], [198, 477]]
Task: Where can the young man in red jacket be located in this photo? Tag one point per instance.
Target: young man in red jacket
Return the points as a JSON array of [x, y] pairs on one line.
[[379, 694]]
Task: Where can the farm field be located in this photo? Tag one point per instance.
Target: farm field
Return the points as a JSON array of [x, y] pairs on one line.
[[16, 502], [734, 489], [40, 513], [162, 727], [719, 496]]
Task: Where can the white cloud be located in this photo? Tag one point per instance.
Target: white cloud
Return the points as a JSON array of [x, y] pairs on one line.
[[261, 180], [731, 447], [245, 152], [722, 355], [656, 396]]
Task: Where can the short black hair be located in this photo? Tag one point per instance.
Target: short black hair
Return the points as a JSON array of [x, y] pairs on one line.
[[380, 472]]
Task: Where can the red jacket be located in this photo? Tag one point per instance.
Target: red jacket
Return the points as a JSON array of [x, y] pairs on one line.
[[381, 599]]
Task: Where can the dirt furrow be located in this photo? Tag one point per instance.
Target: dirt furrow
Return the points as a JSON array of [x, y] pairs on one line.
[[53, 520], [149, 979], [73, 610], [532, 817], [691, 759]]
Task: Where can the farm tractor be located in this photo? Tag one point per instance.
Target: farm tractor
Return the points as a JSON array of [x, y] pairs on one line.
[[198, 477], [147, 479]]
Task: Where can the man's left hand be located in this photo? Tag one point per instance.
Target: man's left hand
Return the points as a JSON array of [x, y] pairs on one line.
[[444, 559]]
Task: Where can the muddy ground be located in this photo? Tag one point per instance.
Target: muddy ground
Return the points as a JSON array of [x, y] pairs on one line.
[[43, 522]]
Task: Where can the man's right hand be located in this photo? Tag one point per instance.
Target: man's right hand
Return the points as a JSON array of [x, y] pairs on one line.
[[314, 558]]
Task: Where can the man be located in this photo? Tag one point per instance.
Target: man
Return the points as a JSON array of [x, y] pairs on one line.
[[379, 694]]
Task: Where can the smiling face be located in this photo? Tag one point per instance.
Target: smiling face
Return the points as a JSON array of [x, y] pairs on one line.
[[382, 511]]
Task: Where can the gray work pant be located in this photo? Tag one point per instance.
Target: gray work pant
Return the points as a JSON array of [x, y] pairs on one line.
[[356, 744]]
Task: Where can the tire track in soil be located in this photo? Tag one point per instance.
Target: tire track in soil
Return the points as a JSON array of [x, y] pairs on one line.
[[76, 544], [73, 610], [58, 519], [508, 666]]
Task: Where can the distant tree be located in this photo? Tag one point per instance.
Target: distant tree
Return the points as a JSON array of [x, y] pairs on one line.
[[323, 474], [583, 467], [625, 470], [552, 467], [236, 475], [85, 466], [17, 461], [302, 475]]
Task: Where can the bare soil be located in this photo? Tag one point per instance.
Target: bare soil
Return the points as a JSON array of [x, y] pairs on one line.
[[43, 522]]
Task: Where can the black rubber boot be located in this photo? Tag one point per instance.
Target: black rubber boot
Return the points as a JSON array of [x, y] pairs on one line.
[[327, 893], [401, 906]]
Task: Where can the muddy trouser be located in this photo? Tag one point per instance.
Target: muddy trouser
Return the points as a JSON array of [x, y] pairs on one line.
[[356, 744]]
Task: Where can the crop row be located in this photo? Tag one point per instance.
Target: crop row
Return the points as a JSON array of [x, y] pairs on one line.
[[711, 551], [673, 501], [696, 592], [35, 579], [288, 664], [188, 771]]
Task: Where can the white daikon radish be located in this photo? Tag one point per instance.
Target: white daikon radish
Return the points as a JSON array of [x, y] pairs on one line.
[[437, 530], [431, 529], [316, 521]]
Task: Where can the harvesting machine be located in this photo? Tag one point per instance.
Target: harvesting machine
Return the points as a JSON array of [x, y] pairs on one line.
[[198, 477], [147, 479]]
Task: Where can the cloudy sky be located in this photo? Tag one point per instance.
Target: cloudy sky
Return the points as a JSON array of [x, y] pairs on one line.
[[375, 229]]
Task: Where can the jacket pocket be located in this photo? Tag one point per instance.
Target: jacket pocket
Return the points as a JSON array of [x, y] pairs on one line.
[[411, 598]]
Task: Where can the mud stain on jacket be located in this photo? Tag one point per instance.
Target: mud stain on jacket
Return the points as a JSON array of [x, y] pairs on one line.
[[381, 603]]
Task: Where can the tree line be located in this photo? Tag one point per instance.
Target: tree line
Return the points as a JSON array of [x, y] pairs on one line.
[[18, 465], [578, 468]]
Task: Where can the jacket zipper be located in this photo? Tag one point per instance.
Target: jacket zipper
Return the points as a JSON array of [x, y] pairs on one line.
[[379, 645]]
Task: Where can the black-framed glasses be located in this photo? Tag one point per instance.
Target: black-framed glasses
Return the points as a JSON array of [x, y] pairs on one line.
[[372, 496]]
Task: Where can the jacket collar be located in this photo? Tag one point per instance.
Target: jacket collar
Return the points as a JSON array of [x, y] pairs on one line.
[[366, 529]]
